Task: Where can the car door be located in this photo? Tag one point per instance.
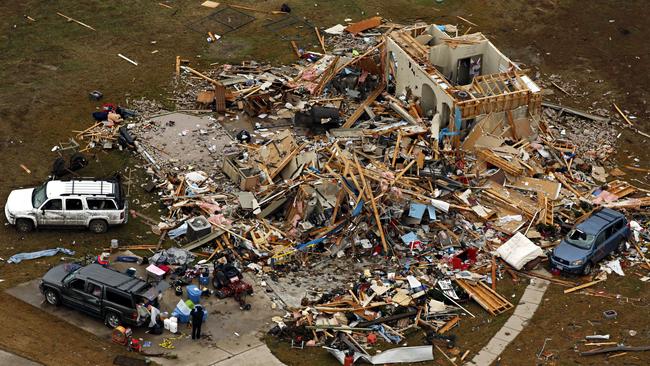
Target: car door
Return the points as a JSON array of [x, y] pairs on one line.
[[618, 234], [93, 298], [119, 301], [600, 247], [51, 212], [74, 293], [74, 212], [104, 208]]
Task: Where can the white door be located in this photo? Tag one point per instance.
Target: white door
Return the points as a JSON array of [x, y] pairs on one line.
[[52, 213], [74, 212]]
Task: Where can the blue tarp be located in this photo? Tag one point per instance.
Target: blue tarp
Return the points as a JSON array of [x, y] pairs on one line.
[[17, 258]]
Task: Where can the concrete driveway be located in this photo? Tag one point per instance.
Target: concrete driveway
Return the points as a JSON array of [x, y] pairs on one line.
[[230, 336]]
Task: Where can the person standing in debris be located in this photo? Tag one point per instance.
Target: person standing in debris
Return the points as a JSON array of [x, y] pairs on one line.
[[196, 316]]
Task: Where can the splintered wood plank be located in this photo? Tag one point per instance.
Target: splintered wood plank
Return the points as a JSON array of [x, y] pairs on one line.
[[363, 25], [220, 97], [489, 299], [359, 111]]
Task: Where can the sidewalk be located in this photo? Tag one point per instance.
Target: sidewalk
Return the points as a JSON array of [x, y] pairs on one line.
[[524, 311], [7, 358]]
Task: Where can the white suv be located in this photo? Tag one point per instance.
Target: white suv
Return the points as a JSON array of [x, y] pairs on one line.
[[94, 204]]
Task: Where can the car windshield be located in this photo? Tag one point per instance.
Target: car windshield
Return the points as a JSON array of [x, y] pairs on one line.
[[580, 239], [39, 196], [68, 277]]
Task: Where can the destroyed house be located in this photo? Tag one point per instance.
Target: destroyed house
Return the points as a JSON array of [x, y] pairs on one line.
[[459, 80]]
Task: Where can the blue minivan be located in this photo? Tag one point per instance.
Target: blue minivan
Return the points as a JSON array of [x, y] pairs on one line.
[[590, 241]]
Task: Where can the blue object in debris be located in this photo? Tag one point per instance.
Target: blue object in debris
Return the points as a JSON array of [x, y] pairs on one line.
[[17, 258], [357, 210], [194, 293], [175, 233], [409, 237], [416, 210]]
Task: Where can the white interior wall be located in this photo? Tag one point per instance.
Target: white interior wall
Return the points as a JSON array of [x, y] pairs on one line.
[[410, 74]]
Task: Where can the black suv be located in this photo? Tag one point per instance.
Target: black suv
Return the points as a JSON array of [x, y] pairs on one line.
[[98, 291]]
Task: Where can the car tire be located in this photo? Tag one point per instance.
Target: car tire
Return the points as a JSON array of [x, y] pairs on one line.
[[586, 270], [52, 297], [24, 225], [621, 247], [112, 319], [98, 226]]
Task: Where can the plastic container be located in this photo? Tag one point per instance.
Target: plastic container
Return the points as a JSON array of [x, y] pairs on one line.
[[173, 324], [115, 244], [182, 307], [194, 293], [181, 318], [166, 323], [204, 280]]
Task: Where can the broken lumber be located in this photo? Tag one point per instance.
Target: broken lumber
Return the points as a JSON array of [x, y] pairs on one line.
[[366, 103], [622, 115], [489, 300], [75, 20], [370, 196], [574, 111], [580, 287], [615, 349], [494, 159], [363, 25], [187, 68]]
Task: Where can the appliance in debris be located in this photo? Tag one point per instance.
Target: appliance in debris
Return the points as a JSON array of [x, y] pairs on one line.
[[197, 228], [228, 281]]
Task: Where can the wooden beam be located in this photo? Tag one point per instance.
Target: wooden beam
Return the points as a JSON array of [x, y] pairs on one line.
[[584, 285], [76, 21], [622, 114], [296, 51], [286, 161], [513, 127], [375, 211], [366, 103], [397, 148], [187, 68], [321, 40]]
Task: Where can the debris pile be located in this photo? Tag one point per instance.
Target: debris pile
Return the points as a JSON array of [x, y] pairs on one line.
[[335, 157]]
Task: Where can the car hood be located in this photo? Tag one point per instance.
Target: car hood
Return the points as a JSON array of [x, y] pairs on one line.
[[20, 200], [56, 274], [569, 252]]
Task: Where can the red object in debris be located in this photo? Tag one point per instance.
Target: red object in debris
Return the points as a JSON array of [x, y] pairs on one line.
[[349, 360], [165, 268], [101, 261], [135, 345], [108, 107], [471, 254], [464, 259], [372, 338]]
